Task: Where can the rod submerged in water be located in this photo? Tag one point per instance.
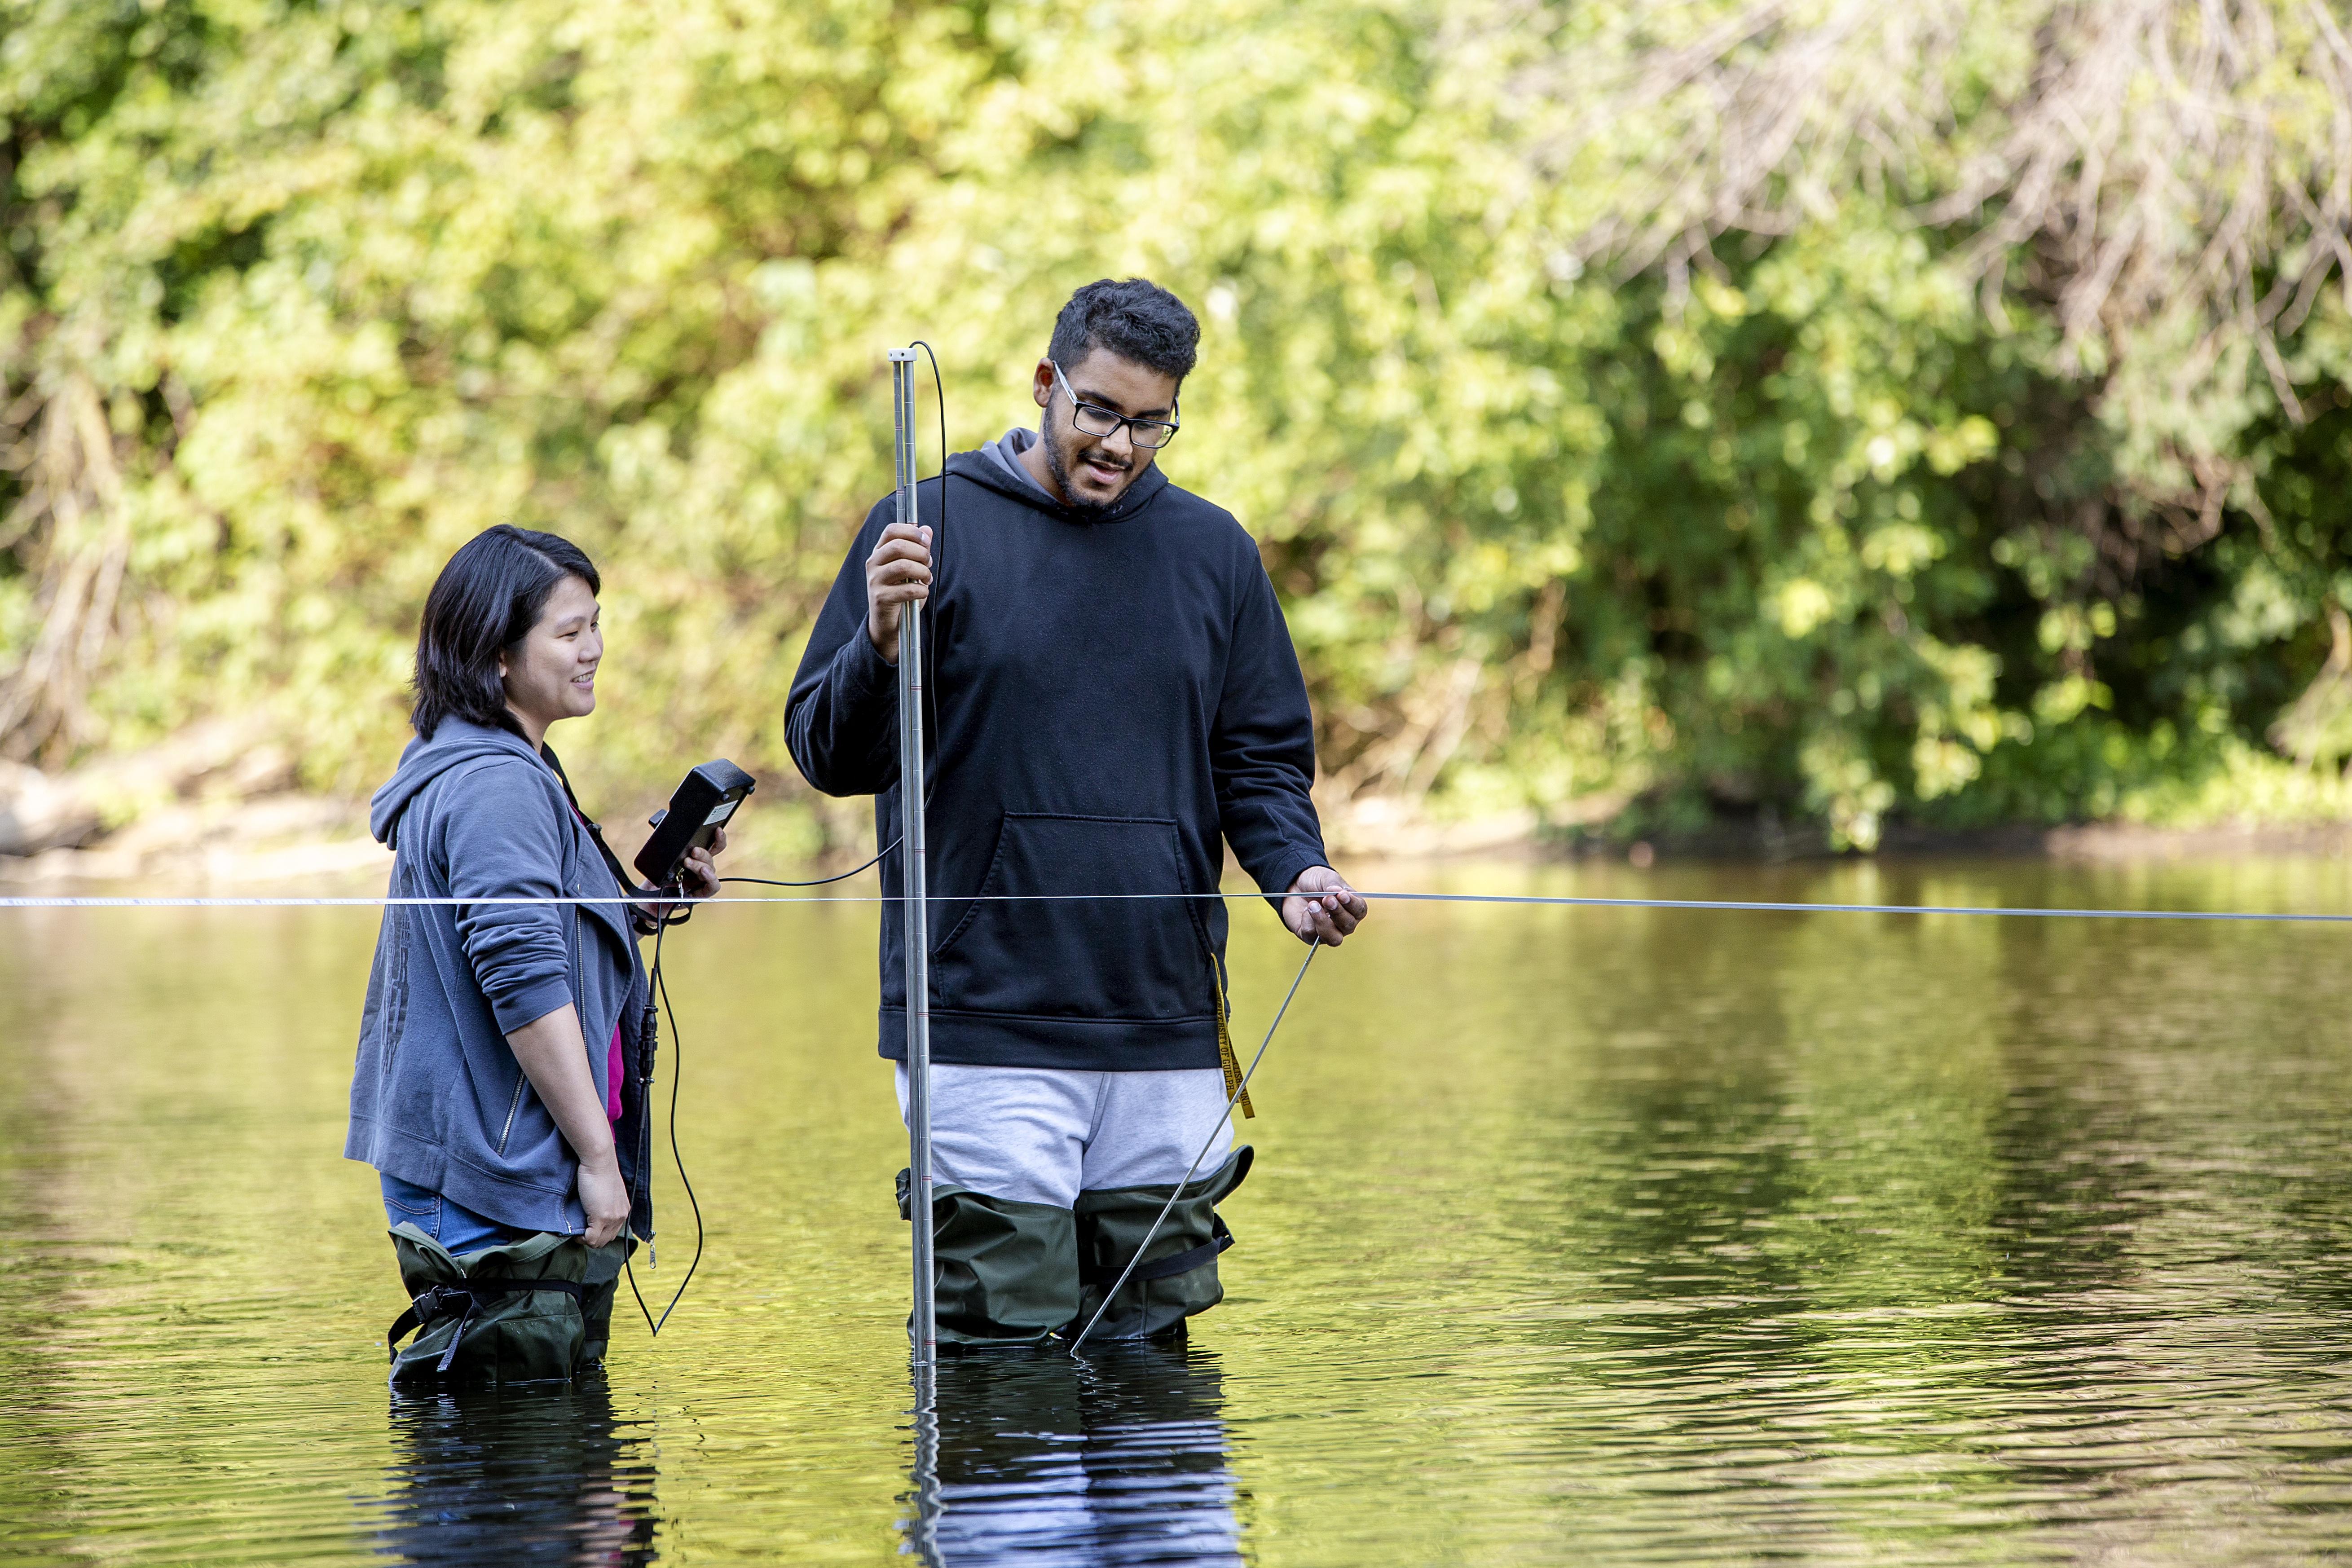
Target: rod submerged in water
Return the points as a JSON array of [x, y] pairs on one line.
[[923, 1326]]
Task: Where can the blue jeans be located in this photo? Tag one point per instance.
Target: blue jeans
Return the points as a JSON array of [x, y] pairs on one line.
[[457, 1229]]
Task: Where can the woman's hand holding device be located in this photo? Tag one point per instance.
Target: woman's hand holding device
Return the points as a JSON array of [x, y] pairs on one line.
[[698, 878], [689, 833], [702, 869]]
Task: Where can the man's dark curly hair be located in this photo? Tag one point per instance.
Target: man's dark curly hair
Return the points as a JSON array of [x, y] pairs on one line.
[[1136, 319]]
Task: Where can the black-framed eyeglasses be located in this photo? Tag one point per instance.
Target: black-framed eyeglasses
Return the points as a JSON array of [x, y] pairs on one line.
[[1094, 419]]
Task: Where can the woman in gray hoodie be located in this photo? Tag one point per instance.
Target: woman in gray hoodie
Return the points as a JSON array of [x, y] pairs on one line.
[[506, 1047]]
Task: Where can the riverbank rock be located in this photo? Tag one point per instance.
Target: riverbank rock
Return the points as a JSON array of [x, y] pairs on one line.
[[213, 783], [39, 812]]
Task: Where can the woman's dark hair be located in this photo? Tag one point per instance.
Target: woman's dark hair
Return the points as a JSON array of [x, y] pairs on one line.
[[485, 601]]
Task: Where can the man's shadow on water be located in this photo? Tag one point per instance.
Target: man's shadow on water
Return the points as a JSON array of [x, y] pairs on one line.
[[539, 1473], [1043, 1460]]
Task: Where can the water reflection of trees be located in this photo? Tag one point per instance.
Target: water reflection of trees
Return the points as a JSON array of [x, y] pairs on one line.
[[493, 1477], [1043, 1459]]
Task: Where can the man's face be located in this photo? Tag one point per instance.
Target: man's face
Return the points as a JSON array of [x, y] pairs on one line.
[[1095, 470]]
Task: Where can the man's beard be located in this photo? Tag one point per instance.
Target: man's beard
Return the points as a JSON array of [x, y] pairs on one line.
[[1070, 496]]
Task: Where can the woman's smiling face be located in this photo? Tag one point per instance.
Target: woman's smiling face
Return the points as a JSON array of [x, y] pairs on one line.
[[551, 673]]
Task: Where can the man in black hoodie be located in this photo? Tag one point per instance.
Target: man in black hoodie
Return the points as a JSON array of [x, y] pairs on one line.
[[1115, 701]]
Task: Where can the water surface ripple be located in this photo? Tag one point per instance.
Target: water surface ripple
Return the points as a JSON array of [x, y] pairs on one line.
[[1576, 1235]]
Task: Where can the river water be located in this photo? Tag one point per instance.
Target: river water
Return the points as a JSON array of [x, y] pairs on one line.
[[1576, 1235]]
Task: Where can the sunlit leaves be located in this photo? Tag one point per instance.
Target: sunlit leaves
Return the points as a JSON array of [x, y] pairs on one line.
[[1802, 519]]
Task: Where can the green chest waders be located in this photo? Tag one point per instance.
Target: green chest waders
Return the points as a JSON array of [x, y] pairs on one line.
[[1017, 1273], [1178, 1276], [1007, 1271], [535, 1308]]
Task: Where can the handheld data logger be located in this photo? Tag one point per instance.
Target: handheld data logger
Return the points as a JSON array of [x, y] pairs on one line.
[[698, 809]]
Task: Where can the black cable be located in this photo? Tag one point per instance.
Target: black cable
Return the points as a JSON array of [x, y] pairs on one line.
[[930, 651], [658, 983], [821, 881], [931, 657], [660, 988], [676, 1064], [939, 387]]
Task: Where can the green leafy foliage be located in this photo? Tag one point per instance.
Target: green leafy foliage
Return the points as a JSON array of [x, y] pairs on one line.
[[1615, 459]]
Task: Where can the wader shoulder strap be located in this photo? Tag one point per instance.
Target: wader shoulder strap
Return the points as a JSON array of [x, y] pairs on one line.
[[437, 1302], [639, 922]]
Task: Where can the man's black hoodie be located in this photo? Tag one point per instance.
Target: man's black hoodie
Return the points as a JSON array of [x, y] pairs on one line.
[[1114, 698]]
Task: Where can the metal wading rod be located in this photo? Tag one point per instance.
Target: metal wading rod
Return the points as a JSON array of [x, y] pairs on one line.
[[923, 1521], [1314, 945], [922, 1327]]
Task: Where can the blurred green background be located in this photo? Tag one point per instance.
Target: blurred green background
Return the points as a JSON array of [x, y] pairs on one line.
[[1653, 414]]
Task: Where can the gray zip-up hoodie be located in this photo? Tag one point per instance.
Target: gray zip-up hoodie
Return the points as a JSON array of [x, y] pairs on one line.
[[437, 1098]]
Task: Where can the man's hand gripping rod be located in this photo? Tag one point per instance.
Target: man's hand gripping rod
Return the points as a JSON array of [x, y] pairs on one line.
[[1314, 943]]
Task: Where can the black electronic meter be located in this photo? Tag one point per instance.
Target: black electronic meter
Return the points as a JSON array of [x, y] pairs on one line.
[[698, 809]]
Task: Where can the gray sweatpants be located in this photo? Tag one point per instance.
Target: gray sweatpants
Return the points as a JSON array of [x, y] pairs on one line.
[[1041, 1135]]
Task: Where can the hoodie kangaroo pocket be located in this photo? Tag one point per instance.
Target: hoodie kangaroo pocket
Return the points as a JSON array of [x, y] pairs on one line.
[[1134, 959]]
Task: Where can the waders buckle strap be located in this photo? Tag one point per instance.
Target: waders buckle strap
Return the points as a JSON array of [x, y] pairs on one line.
[[459, 1296], [1219, 1240]]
